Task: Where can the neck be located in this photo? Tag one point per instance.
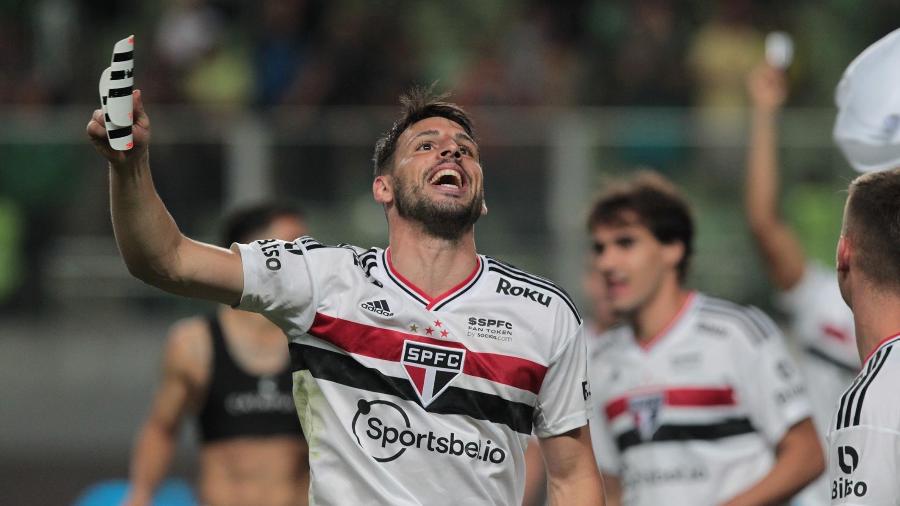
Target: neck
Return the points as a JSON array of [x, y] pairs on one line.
[[876, 316], [432, 264], [659, 313]]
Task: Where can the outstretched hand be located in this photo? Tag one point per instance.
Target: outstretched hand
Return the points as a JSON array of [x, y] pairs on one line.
[[767, 87], [140, 132]]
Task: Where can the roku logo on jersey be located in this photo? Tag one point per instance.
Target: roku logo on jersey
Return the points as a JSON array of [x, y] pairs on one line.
[[384, 430], [507, 288]]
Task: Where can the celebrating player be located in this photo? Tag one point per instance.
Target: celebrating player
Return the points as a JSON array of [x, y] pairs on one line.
[[232, 370], [420, 370], [864, 434], [698, 400]]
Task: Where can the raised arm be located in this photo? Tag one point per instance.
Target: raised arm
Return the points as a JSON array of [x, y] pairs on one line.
[[155, 443], [153, 247], [776, 241], [572, 475]]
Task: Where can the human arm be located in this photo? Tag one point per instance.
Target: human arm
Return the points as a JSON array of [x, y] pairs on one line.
[[153, 247], [535, 475], [798, 461], [572, 475], [155, 444], [778, 244]]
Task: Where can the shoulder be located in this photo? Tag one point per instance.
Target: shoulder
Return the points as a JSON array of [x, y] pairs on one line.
[[535, 292], [872, 399], [745, 324], [188, 346]]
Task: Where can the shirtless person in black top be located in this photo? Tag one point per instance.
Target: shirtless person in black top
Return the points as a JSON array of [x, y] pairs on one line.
[[230, 369]]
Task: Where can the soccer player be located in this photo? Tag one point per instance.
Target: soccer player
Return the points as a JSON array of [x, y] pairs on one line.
[[864, 438], [808, 290], [231, 370], [864, 435], [420, 370], [698, 401]]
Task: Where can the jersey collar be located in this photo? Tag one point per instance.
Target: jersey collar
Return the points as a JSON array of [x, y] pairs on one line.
[[431, 303], [646, 346], [880, 345]]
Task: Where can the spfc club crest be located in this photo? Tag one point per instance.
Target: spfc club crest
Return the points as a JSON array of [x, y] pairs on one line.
[[645, 410], [431, 368]]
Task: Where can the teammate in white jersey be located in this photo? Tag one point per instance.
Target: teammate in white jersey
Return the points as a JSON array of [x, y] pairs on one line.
[[420, 370], [809, 293], [864, 435], [864, 438], [698, 401]]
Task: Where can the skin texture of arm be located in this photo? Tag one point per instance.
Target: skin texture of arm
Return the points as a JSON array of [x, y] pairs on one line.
[[156, 441], [153, 247], [613, 488], [778, 244], [572, 475], [535, 475], [799, 460]]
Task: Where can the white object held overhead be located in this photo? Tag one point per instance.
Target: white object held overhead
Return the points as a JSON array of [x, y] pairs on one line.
[[116, 84], [779, 50], [867, 127]]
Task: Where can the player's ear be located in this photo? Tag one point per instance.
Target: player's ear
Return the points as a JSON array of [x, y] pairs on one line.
[[383, 189], [673, 252], [844, 252]]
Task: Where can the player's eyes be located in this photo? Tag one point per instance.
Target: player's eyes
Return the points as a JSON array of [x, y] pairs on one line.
[[425, 146], [625, 242], [597, 248]]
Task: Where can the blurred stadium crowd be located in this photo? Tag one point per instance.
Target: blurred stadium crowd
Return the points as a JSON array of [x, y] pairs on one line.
[[509, 52]]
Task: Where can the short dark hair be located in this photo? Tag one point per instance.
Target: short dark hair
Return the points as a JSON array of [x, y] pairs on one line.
[[417, 104], [242, 224], [873, 226], [658, 205]]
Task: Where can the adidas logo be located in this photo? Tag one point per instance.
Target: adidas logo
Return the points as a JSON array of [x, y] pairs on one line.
[[378, 307]]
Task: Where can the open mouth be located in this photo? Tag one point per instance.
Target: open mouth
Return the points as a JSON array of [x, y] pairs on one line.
[[447, 178]]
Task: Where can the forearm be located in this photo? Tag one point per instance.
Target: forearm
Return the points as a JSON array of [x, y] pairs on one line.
[[799, 461], [584, 489], [762, 178], [147, 236], [781, 250], [149, 463]]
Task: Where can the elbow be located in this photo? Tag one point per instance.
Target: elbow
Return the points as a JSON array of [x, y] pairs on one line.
[[158, 274]]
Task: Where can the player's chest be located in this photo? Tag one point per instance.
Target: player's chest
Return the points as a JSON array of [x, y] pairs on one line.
[[631, 371]]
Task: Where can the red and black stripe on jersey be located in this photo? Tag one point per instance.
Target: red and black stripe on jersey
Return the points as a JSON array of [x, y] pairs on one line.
[[387, 344], [685, 398]]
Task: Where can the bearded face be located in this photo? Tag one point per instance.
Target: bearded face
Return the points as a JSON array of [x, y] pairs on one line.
[[443, 218]]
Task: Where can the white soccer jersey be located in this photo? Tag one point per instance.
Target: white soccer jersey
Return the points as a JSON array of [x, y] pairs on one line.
[[405, 399], [864, 436], [823, 325], [692, 418]]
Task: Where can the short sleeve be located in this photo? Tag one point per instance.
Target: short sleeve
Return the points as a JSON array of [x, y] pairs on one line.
[[863, 467], [771, 386], [278, 283], [562, 400]]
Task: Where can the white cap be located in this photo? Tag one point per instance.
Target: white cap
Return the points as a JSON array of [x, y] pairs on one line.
[[867, 128]]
